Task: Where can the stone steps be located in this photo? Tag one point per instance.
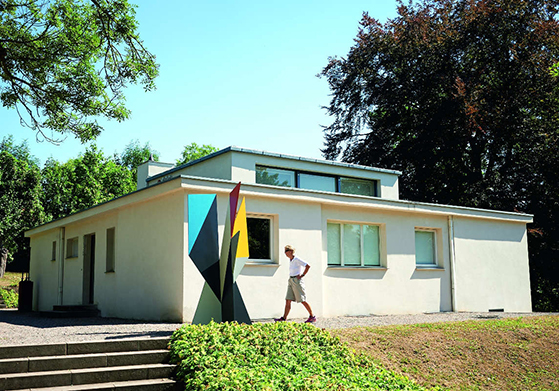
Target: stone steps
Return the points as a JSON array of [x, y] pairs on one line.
[[131, 364]]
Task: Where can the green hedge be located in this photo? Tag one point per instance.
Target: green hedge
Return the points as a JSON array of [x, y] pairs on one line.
[[281, 356]]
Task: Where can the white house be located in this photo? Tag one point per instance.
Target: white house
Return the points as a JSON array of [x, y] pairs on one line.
[[369, 251]]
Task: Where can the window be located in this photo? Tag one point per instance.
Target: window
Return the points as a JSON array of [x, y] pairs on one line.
[[259, 238], [275, 176], [358, 186], [53, 256], [353, 244], [315, 181], [425, 248], [72, 248], [110, 267]]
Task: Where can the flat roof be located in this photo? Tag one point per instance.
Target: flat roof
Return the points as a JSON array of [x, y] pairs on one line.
[[272, 154]]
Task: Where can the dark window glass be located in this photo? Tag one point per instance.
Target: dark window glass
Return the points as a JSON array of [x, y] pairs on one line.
[[258, 238]]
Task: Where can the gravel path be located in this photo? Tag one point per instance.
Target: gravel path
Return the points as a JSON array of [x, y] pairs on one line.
[[28, 328]]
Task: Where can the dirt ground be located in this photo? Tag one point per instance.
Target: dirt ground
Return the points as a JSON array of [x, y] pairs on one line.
[[513, 354]]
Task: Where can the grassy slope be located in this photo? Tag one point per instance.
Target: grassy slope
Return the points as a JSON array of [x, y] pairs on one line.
[[509, 354], [10, 279]]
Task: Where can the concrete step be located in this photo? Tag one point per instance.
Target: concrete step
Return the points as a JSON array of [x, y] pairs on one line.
[[79, 361], [72, 311], [73, 377], [81, 307], [73, 348], [134, 385], [69, 314]]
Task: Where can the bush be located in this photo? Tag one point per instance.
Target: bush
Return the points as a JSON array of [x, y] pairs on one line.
[[281, 356], [10, 297]]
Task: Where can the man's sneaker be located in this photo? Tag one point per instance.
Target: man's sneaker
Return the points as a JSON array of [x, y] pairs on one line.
[[282, 319], [311, 319]]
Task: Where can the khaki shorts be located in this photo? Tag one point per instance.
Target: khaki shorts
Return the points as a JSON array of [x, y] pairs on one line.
[[296, 290]]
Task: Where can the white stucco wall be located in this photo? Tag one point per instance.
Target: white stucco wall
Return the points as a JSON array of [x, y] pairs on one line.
[[148, 277], [44, 271], [397, 287], [244, 170], [155, 279], [492, 270], [264, 287]]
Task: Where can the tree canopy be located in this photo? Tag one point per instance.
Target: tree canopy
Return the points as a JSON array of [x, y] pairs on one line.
[[83, 182], [65, 62], [135, 154], [20, 195], [194, 151], [463, 97]]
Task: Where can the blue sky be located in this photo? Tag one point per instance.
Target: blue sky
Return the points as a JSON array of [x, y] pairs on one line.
[[231, 73]]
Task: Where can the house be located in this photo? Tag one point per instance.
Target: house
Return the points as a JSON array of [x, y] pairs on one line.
[[369, 251]]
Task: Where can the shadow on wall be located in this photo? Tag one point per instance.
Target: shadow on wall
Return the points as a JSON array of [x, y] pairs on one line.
[[356, 274], [489, 231], [259, 270]]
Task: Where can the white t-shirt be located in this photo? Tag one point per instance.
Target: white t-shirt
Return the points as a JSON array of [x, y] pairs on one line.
[[296, 266]]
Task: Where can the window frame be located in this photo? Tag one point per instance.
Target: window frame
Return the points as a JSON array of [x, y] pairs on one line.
[[272, 242], [110, 250], [435, 264], [72, 249], [337, 180], [381, 263]]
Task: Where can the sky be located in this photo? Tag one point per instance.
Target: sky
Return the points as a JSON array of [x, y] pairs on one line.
[[237, 73]]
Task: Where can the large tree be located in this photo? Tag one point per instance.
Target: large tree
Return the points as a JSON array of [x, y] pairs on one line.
[[460, 96], [65, 62], [20, 191]]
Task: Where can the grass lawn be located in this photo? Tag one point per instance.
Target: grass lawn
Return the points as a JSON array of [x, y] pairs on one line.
[[504, 354], [10, 279]]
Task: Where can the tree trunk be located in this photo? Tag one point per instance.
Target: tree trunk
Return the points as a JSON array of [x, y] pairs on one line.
[[3, 261]]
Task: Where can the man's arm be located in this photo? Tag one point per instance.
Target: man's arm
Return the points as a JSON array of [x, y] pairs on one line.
[[305, 272]]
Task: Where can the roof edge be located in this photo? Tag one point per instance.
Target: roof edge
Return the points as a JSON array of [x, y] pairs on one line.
[[272, 154]]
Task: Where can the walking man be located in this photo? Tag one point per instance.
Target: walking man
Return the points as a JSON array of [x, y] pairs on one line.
[[295, 285]]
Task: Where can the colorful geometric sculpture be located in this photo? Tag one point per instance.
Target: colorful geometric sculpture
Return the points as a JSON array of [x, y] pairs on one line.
[[221, 299]]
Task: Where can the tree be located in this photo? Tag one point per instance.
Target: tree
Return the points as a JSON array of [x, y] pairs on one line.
[[194, 151], [135, 154], [63, 62], [20, 190], [83, 182], [461, 96]]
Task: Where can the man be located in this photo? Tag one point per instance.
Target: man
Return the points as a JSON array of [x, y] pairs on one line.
[[295, 285]]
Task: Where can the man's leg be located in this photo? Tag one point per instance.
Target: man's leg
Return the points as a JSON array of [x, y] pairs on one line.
[[287, 309], [308, 307]]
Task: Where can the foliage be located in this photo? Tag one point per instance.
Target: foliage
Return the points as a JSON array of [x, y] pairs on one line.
[[283, 356], [63, 62], [194, 151], [83, 182], [460, 97], [10, 297], [135, 154], [20, 192]]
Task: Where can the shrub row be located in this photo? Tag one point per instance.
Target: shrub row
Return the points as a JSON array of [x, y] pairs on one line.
[[281, 356], [10, 297]]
